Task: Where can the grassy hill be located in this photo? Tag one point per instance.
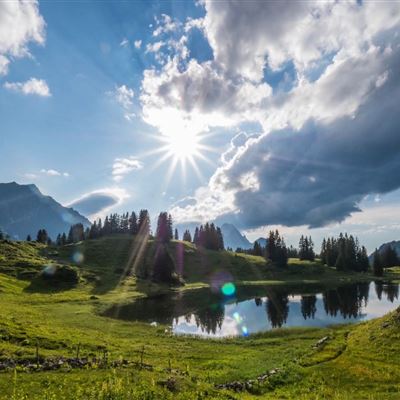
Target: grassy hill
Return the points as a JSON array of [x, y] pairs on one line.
[[354, 362]]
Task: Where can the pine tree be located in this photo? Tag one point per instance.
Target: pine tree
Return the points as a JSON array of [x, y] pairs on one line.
[[163, 233], [144, 222], [389, 257], [196, 237], [377, 264], [176, 235], [187, 237], [276, 249], [170, 227], [133, 226], [58, 240], [28, 238], [42, 236]]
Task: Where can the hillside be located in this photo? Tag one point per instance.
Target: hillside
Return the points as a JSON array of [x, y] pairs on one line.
[[24, 210], [394, 244], [65, 321]]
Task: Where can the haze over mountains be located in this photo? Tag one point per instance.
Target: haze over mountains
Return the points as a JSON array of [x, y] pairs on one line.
[[24, 210]]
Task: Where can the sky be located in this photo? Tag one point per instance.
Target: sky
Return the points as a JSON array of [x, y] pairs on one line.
[[262, 114]]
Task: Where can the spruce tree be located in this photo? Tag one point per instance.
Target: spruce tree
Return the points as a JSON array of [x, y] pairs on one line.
[[187, 237], [377, 264], [176, 235]]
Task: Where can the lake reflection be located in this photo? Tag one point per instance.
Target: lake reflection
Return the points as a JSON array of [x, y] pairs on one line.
[[256, 309]]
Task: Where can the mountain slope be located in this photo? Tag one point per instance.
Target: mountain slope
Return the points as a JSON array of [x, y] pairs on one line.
[[24, 210], [233, 238], [394, 244]]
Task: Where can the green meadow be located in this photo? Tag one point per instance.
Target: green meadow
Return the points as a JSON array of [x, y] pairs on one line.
[[41, 320]]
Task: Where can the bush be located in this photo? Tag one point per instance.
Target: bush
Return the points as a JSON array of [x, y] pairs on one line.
[[60, 274]]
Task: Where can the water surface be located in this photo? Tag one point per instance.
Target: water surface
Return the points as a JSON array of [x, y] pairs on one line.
[[255, 309]]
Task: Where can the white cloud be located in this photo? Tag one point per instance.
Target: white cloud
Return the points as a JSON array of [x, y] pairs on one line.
[[98, 202], [154, 47], [124, 95], [4, 63], [32, 86], [344, 92], [53, 172], [165, 24], [123, 166], [137, 44], [124, 42], [198, 97], [20, 24]]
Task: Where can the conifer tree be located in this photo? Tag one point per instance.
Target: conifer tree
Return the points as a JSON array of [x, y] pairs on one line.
[[144, 222], [133, 226], [163, 229], [377, 264], [28, 238], [187, 237], [176, 235]]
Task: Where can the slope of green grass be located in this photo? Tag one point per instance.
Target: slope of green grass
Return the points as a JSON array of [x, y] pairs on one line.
[[356, 362]]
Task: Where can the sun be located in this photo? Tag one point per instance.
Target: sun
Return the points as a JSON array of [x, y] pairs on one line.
[[182, 146]]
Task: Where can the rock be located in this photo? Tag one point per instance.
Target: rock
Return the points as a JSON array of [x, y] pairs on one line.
[[321, 341]]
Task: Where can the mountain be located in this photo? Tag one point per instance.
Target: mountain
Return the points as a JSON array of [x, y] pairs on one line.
[[24, 210], [395, 244], [261, 241], [233, 238]]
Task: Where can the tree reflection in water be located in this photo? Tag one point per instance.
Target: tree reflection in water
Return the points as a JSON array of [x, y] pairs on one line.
[[207, 310]]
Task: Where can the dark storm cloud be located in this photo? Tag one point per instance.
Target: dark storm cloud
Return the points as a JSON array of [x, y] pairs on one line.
[[320, 173]]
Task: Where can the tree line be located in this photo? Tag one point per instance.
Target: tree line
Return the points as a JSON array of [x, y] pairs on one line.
[[385, 259], [344, 253]]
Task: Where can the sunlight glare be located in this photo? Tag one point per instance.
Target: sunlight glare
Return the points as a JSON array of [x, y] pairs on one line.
[[182, 145]]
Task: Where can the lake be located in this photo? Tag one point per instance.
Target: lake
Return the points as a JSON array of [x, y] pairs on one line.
[[250, 309]]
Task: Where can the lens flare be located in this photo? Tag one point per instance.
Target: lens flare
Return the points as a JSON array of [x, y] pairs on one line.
[[245, 331], [228, 289], [237, 317], [77, 257]]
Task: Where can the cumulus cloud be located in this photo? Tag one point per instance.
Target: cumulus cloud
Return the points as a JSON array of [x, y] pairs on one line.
[[246, 36], [99, 201], [327, 142], [198, 97], [137, 44], [20, 24], [32, 86], [316, 174], [123, 166]]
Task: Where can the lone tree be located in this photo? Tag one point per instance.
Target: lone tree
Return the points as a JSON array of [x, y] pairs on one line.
[[176, 234], [377, 265], [28, 238]]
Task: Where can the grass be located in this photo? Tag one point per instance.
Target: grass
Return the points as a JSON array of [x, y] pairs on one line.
[[358, 361]]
